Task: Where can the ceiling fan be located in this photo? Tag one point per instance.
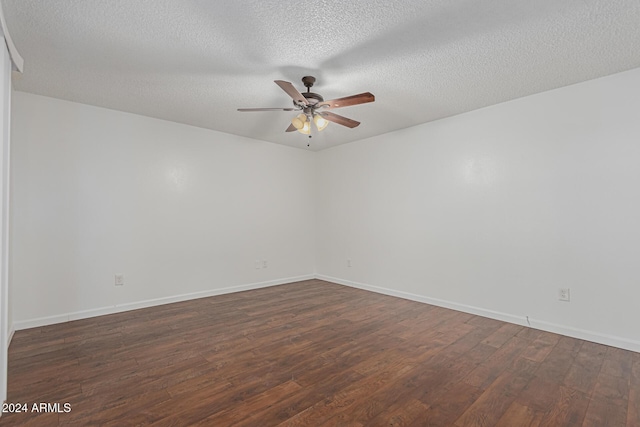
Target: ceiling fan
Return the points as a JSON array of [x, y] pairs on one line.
[[313, 107]]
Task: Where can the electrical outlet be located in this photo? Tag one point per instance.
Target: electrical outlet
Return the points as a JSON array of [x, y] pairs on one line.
[[348, 263], [264, 264], [119, 279], [564, 294], [258, 264]]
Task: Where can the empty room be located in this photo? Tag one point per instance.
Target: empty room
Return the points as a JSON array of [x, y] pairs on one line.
[[320, 213]]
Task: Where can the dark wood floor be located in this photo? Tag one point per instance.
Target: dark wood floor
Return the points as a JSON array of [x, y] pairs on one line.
[[311, 354]]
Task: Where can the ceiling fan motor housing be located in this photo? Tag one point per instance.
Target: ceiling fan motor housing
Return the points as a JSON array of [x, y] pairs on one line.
[[313, 98]]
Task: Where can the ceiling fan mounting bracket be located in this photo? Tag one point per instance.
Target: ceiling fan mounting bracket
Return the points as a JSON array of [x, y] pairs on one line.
[[308, 81]]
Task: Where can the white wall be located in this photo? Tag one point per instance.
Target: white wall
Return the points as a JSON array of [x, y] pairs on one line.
[[176, 209], [494, 210]]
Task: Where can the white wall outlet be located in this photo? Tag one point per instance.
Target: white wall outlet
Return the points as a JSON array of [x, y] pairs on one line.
[[119, 279], [258, 264], [264, 264], [348, 263], [564, 294]]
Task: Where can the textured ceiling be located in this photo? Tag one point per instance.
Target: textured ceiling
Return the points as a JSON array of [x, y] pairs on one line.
[[196, 61]]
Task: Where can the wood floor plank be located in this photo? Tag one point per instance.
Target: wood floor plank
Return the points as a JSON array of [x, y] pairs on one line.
[[327, 408], [605, 412], [541, 347], [252, 406], [611, 387], [305, 398], [497, 397], [520, 415], [584, 370], [617, 362], [569, 409], [428, 378], [494, 401], [314, 353], [497, 363], [102, 410], [540, 395], [502, 335], [558, 362], [609, 404], [400, 414], [448, 406]]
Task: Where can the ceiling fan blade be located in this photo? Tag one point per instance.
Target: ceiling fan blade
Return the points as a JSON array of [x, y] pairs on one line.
[[292, 92], [291, 128], [361, 98], [335, 118], [267, 109]]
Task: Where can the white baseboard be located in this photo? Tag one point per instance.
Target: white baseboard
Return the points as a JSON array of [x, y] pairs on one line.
[[101, 311], [10, 335], [597, 337]]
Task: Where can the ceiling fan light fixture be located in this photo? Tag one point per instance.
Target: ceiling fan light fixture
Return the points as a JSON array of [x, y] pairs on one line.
[[306, 128], [299, 121], [320, 122]]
